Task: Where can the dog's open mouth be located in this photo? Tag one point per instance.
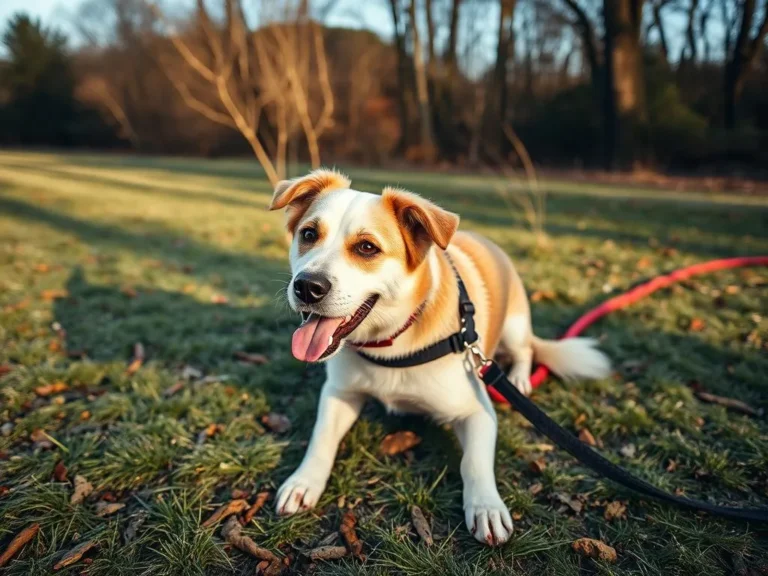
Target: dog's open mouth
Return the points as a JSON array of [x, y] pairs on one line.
[[320, 336]]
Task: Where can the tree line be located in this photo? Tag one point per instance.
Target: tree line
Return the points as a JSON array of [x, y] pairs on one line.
[[613, 84]]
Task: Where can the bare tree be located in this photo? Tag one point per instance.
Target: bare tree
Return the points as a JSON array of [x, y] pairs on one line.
[[241, 75], [422, 92], [741, 58]]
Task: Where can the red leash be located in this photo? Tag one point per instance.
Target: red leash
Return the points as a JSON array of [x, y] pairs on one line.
[[638, 293]]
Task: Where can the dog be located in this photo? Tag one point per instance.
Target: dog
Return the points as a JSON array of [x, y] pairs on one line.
[[369, 269]]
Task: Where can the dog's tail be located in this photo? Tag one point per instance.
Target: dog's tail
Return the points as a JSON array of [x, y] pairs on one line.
[[572, 358]]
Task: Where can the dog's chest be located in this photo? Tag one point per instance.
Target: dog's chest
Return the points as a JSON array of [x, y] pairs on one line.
[[444, 389]]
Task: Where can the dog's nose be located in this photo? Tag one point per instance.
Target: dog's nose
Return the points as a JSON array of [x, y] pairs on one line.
[[311, 288]]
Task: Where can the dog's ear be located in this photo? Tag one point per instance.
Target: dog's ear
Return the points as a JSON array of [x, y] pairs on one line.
[[422, 223], [299, 193]]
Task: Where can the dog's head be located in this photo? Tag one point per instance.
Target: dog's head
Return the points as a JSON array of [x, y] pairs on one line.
[[356, 258]]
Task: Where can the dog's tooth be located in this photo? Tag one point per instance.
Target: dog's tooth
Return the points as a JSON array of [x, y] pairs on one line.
[[330, 340], [348, 318]]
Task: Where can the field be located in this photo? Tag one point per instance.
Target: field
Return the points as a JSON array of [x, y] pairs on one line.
[[101, 253]]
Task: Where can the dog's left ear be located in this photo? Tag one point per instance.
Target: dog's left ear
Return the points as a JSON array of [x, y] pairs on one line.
[[299, 193], [422, 222]]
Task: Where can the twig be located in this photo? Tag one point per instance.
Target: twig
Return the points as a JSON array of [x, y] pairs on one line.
[[731, 403], [18, 542]]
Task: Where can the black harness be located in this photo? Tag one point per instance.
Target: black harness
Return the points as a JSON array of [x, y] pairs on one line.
[[493, 375]]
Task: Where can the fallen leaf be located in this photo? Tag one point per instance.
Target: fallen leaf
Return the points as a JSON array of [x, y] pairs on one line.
[[139, 355], [261, 499], [594, 549], [128, 291], [267, 568], [41, 439], [398, 442], [7, 428], [42, 268], [4, 490], [60, 472], [18, 543], [83, 489], [348, 533], [250, 358], [108, 508], [671, 466], [173, 389], [327, 553], [85, 415], [133, 527], [228, 509], [191, 373], [74, 555], [697, 325], [48, 389], [628, 450], [543, 295], [55, 294], [535, 488], [580, 420], [586, 436], [219, 299], [643, 263], [570, 501], [5, 369], [232, 532], [517, 516], [538, 466], [615, 510], [421, 525], [278, 423]]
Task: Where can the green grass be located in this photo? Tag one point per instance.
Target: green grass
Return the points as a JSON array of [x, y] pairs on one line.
[[182, 256]]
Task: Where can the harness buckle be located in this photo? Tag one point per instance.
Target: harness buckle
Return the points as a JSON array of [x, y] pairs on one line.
[[477, 356], [467, 307]]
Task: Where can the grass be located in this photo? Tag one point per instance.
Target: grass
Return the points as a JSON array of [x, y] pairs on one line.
[[98, 253]]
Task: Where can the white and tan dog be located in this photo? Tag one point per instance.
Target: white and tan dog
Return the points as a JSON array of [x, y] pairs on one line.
[[364, 267]]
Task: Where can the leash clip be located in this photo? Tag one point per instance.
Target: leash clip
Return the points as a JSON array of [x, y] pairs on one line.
[[478, 358]]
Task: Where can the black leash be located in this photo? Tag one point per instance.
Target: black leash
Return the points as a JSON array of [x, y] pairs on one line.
[[492, 375]]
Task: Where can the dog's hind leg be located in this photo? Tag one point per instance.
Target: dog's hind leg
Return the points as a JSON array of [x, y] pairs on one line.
[[517, 340]]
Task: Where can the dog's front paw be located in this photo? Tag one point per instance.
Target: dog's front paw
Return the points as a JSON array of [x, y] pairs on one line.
[[521, 380], [487, 517], [299, 492]]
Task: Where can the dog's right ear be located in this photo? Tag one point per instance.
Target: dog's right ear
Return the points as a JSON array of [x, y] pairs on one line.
[[296, 195]]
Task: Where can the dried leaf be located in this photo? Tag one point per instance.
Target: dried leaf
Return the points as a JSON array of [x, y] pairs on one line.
[[55, 294], [173, 389], [228, 509], [538, 466], [643, 263], [348, 533], [594, 549], [48, 389], [399, 442], [586, 436], [615, 510], [128, 291], [232, 532], [580, 419], [60, 472], [542, 295], [535, 488], [191, 373], [133, 528], [5, 369], [278, 423], [570, 501], [42, 268], [219, 299], [83, 489], [250, 358], [258, 504], [731, 403], [138, 359], [41, 439], [327, 553], [74, 555], [108, 508], [697, 325], [18, 543], [421, 525]]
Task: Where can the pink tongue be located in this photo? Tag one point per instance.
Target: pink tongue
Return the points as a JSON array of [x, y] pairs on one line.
[[313, 338]]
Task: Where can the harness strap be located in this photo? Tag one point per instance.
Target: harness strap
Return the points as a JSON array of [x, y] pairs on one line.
[[494, 377]]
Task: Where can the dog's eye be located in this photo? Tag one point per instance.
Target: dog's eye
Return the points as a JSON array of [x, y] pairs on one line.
[[366, 248], [309, 235]]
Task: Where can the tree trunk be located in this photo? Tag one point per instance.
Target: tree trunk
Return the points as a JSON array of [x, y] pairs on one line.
[[453, 31], [402, 77], [496, 104], [422, 91], [738, 64], [626, 114]]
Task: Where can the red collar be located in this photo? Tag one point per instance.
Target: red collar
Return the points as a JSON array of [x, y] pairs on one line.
[[391, 340]]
